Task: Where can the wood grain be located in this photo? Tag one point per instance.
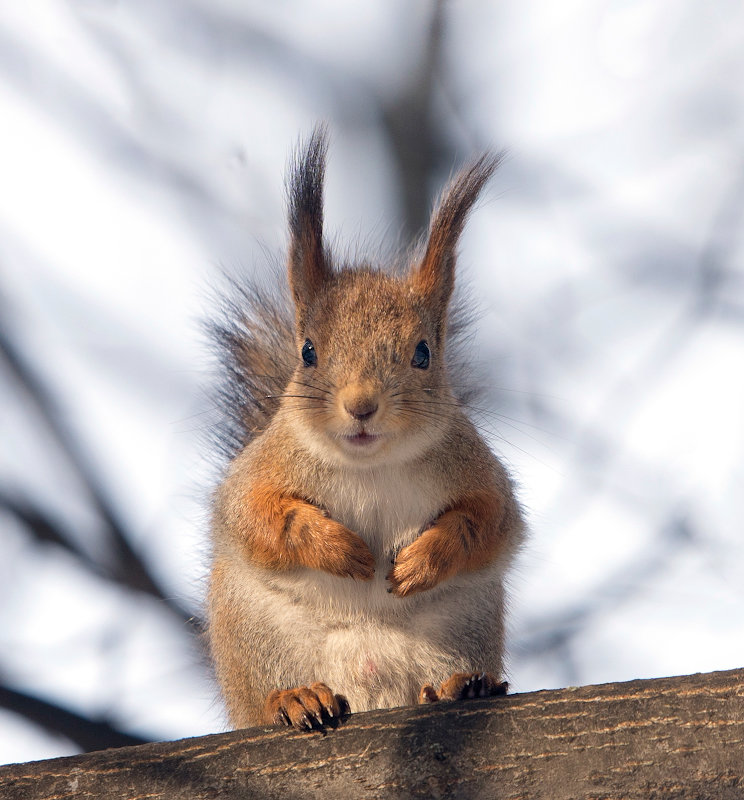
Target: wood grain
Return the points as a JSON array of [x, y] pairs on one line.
[[665, 738]]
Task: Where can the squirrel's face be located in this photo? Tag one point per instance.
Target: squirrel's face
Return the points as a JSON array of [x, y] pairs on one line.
[[370, 384]]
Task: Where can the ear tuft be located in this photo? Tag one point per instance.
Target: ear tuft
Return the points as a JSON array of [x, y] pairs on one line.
[[434, 275], [308, 261]]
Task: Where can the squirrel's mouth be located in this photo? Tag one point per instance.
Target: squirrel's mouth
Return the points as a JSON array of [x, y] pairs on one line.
[[362, 439]]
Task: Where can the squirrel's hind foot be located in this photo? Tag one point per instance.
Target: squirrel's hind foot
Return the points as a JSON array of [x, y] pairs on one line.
[[305, 708], [463, 685]]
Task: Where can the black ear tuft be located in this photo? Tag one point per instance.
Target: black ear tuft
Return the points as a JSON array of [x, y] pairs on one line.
[[308, 262], [434, 276]]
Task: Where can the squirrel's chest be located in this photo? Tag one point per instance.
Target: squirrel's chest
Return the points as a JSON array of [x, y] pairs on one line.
[[387, 508]]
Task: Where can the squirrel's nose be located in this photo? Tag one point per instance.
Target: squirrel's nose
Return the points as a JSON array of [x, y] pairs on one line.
[[361, 408]]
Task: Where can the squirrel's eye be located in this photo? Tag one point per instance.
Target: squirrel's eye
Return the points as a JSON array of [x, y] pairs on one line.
[[309, 356], [421, 356]]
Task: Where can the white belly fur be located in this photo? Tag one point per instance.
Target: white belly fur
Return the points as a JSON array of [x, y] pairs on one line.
[[376, 649]]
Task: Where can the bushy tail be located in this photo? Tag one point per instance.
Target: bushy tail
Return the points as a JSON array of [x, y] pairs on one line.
[[252, 337]]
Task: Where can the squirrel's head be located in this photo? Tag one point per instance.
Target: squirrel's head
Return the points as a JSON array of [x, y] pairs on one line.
[[370, 384]]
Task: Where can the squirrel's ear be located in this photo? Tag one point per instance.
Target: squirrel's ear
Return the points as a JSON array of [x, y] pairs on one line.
[[309, 265], [434, 275]]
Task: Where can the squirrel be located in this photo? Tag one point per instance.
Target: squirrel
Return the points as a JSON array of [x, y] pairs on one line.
[[363, 528]]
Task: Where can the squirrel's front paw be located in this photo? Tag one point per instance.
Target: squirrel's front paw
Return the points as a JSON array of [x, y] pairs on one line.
[[418, 566], [463, 685], [305, 708], [343, 553]]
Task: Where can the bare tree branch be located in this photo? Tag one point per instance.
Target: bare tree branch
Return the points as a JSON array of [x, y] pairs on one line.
[[664, 738], [417, 142], [88, 734], [125, 566]]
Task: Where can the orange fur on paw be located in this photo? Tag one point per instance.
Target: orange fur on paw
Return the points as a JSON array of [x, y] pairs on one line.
[[421, 565], [464, 685], [337, 550], [289, 532], [305, 708], [466, 537]]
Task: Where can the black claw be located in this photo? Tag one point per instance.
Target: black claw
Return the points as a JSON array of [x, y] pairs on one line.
[[281, 718]]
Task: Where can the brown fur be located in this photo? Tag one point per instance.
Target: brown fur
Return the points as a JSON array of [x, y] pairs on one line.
[[277, 531], [364, 460], [465, 537], [463, 685], [305, 707]]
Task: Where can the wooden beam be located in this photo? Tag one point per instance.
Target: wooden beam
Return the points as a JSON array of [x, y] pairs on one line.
[[665, 738]]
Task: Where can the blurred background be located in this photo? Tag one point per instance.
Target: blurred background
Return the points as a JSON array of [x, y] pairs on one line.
[[143, 147]]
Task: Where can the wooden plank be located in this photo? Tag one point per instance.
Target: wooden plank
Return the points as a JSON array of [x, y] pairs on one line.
[[665, 738]]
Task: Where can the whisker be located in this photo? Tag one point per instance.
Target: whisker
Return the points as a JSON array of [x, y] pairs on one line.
[[298, 396], [512, 422], [311, 386], [454, 423]]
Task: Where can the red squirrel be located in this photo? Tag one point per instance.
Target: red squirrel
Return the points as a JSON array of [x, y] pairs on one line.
[[363, 529]]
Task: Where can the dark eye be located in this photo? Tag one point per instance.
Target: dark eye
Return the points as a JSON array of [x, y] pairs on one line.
[[309, 356], [421, 356]]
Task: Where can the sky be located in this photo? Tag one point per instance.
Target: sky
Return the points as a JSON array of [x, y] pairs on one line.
[[144, 148]]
